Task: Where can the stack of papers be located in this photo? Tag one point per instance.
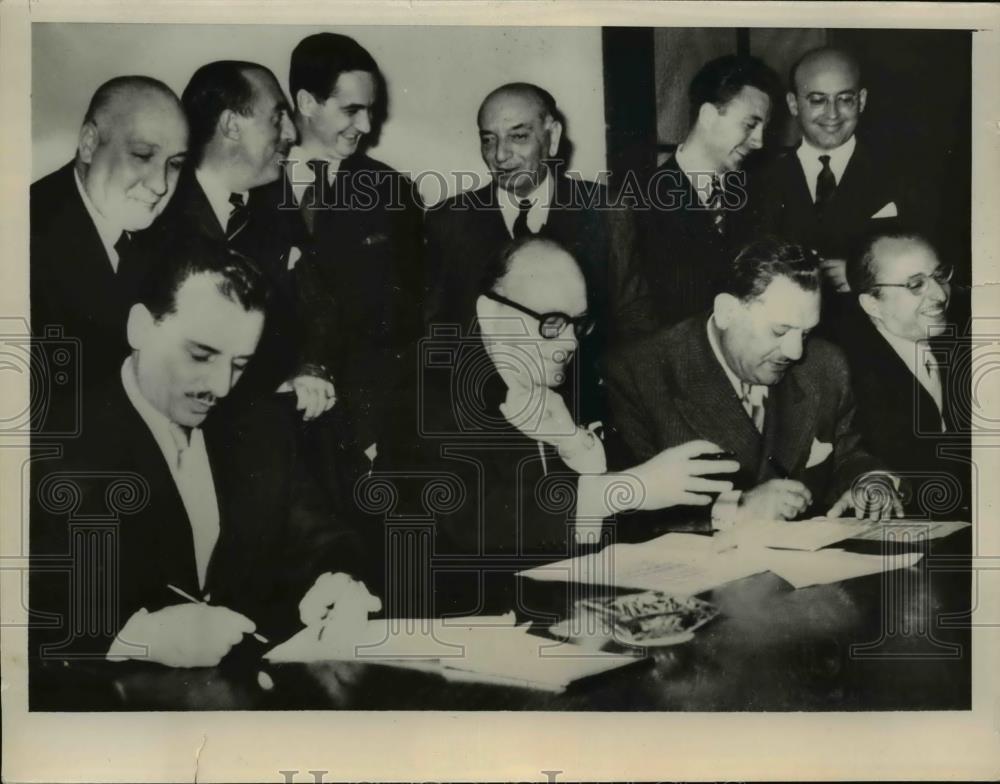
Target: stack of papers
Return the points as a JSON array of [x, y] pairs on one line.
[[821, 532], [485, 649]]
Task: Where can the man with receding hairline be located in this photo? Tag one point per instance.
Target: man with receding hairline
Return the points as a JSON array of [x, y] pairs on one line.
[[833, 189], [129, 153], [521, 137]]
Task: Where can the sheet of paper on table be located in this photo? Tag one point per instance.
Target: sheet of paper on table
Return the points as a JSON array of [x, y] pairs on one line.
[[678, 564], [488, 649], [803, 569], [821, 532]]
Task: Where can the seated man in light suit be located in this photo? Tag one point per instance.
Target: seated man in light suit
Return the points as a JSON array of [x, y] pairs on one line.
[[744, 377], [907, 348], [223, 515]]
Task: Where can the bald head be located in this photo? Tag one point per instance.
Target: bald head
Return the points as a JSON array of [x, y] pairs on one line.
[[826, 97], [518, 130], [130, 150], [537, 289]]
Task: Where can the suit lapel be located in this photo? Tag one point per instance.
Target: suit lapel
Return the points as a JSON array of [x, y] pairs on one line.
[[789, 424]]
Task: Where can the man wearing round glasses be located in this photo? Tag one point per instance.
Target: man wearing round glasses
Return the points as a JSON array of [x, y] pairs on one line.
[[907, 365], [832, 189]]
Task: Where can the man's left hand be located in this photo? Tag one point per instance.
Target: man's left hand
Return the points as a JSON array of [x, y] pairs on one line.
[[872, 495]]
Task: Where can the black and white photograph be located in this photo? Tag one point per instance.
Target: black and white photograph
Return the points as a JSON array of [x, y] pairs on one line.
[[591, 374]]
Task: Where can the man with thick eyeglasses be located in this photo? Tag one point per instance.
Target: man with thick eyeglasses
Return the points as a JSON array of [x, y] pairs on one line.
[[495, 417], [833, 189], [909, 362]]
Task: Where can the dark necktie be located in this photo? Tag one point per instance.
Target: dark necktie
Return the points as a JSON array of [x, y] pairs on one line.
[[521, 221], [826, 183], [313, 196], [714, 205], [238, 218]]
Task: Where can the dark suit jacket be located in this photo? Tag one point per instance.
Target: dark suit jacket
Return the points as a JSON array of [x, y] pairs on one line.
[[74, 289], [684, 255], [359, 282], [494, 503], [267, 240], [781, 203], [110, 512], [900, 423], [465, 232], [670, 389]]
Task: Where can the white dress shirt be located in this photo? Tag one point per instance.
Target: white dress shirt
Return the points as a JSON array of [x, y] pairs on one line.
[[920, 362], [187, 459], [218, 196], [108, 233], [812, 166], [538, 213], [301, 175]]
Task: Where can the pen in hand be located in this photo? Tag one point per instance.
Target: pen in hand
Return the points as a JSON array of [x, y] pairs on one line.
[[185, 595]]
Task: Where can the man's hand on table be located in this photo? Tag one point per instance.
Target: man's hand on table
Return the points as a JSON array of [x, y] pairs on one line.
[[873, 495], [775, 499], [338, 604], [181, 635]]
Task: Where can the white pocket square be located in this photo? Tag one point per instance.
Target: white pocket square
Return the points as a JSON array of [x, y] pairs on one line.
[[294, 254], [818, 452], [888, 211]]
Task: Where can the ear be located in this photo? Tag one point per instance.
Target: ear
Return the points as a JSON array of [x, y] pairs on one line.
[[862, 99], [140, 323], [305, 103], [229, 125], [88, 142], [724, 309], [707, 114], [555, 130], [869, 304], [793, 105]]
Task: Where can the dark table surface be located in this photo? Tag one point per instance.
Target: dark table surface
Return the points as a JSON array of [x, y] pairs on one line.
[[893, 641]]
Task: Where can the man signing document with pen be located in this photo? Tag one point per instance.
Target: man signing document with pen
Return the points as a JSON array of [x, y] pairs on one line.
[[215, 533], [746, 377]]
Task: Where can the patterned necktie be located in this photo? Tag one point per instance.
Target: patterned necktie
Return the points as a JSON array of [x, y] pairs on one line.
[[714, 205], [238, 218], [521, 222], [826, 183], [754, 406], [314, 196]]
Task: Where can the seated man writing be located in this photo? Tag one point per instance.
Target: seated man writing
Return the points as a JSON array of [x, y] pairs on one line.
[[492, 456], [746, 377], [147, 507]]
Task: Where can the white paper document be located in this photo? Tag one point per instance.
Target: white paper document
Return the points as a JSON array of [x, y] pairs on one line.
[[803, 569], [821, 532]]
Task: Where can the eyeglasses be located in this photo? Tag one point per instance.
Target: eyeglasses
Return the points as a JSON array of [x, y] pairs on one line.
[[917, 284], [844, 101], [550, 325]]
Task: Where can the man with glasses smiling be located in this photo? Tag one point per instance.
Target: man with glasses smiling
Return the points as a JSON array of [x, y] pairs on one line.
[[907, 361], [833, 189]]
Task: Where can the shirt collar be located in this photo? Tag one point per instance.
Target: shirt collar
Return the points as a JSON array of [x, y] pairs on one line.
[[109, 233], [541, 198], [839, 156], [298, 171], [908, 350], [169, 436], [218, 196], [701, 181], [757, 391]]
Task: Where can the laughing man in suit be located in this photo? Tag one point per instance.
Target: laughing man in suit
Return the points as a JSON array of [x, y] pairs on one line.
[[744, 378], [833, 189], [905, 366], [129, 153]]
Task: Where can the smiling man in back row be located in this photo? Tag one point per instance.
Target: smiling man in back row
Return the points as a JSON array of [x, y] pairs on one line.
[[746, 377]]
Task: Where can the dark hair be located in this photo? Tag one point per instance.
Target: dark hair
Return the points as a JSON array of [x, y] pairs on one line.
[[241, 280], [212, 89], [499, 264], [722, 79], [112, 88], [861, 272], [768, 258], [852, 60], [319, 60]]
